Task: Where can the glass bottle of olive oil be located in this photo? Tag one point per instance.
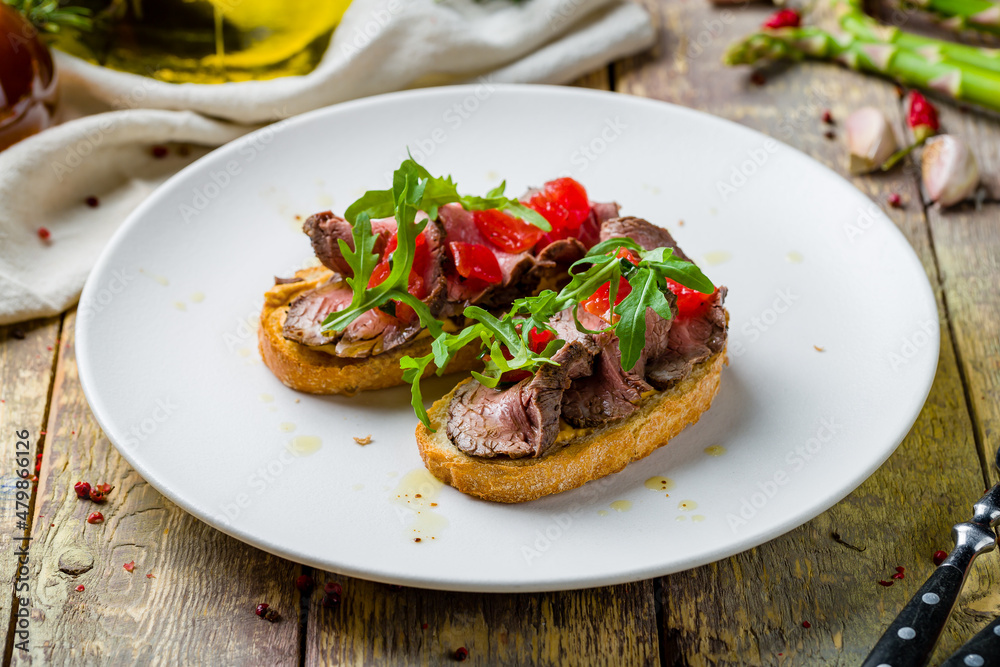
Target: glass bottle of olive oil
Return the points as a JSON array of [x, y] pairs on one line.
[[207, 41]]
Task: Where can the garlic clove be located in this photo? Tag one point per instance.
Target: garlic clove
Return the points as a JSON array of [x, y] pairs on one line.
[[870, 139], [949, 170]]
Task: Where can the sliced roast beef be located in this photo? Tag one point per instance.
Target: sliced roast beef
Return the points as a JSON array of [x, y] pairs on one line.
[[376, 331], [611, 392], [326, 229], [522, 420], [460, 226], [307, 312], [692, 340], [645, 233]]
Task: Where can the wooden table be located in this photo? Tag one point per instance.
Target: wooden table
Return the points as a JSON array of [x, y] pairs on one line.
[[749, 609]]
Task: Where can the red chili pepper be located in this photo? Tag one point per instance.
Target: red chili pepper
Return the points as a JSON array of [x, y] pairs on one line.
[[784, 18], [922, 117], [506, 232], [474, 260]]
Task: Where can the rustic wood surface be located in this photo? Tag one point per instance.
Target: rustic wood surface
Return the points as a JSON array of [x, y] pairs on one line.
[[197, 607]]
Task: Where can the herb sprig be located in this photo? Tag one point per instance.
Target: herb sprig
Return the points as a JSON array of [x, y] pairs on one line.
[[413, 189], [511, 332]]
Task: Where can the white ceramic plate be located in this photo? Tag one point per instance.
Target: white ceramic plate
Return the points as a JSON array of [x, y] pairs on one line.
[[168, 359]]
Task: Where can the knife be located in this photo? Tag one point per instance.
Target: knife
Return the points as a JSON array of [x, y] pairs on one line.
[[910, 639]]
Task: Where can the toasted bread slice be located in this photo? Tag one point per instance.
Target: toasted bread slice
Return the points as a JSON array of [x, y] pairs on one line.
[[589, 454], [316, 372]]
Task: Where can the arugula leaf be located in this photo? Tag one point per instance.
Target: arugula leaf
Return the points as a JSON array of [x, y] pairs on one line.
[[374, 203], [599, 267], [362, 259], [631, 327], [413, 371]]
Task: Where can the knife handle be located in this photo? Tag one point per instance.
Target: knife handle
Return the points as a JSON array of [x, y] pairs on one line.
[[983, 649], [910, 639]]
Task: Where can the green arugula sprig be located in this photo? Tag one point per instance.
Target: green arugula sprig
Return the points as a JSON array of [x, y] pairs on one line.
[[511, 332], [413, 189]]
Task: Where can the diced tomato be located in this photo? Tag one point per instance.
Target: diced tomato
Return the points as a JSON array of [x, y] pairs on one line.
[[630, 255], [506, 232], [690, 303], [599, 303], [539, 338], [381, 272], [421, 262], [564, 203], [475, 261]]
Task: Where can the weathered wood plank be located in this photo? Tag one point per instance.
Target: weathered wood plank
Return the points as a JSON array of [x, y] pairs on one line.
[[27, 352], [198, 607], [967, 243], [379, 625], [750, 608]]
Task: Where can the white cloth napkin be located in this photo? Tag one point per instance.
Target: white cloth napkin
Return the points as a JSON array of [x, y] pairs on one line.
[[380, 46]]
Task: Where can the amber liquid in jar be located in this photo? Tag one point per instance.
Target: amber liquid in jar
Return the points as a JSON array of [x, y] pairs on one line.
[[28, 91], [207, 41]]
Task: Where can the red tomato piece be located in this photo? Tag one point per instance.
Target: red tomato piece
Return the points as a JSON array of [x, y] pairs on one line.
[[564, 203], [539, 338], [506, 232], [690, 303], [599, 303], [474, 260]]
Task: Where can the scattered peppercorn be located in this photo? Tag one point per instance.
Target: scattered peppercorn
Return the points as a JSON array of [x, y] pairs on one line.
[[423, 626], [264, 611], [82, 490], [130, 566], [305, 584], [829, 134], [895, 200], [150, 576], [806, 624], [758, 79], [44, 234], [899, 575], [92, 201], [96, 517], [79, 589], [330, 600], [97, 495], [939, 557], [461, 653], [885, 583], [417, 539], [827, 117], [105, 488], [159, 152]]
